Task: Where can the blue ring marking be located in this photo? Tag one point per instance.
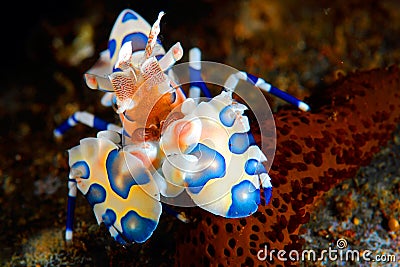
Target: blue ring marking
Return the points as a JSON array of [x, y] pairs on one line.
[[83, 167], [276, 91], [253, 166], [112, 46], [136, 228], [139, 41], [245, 200], [239, 142], [285, 96], [120, 239], [66, 125], [121, 182], [216, 167], [70, 213], [109, 217], [251, 78], [197, 80], [129, 16], [267, 194], [73, 117], [96, 194], [227, 116], [100, 124]]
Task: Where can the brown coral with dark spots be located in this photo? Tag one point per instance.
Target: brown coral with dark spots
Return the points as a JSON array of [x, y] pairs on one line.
[[315, 151]]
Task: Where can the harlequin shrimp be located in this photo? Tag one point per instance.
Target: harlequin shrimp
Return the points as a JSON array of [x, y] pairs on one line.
[[169, 144]]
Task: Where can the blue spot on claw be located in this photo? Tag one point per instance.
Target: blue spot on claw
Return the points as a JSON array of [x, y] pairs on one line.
[[136, 228], [129, 16], [253, 166], [112, 45], [214, 167], [83, 167], [109, 217], [96, 194], [240, 142], [121, 181], [245, 200], [227, 116]]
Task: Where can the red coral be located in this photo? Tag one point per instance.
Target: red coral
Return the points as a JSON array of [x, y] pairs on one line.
[[315, 151]]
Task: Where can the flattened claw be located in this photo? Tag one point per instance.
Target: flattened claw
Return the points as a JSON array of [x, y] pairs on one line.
[[118, 186], [227, 163]]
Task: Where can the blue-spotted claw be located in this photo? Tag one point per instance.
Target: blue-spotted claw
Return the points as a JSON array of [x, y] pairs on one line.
[[121, 191], [210, 153]]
